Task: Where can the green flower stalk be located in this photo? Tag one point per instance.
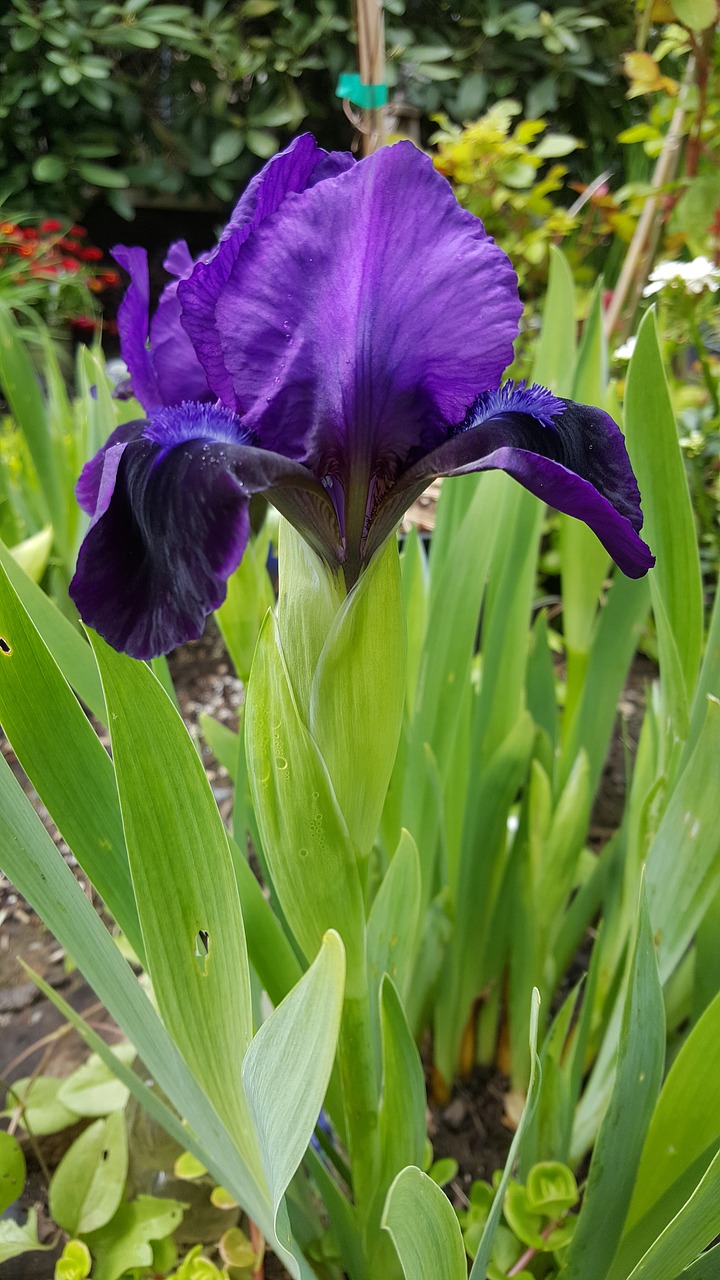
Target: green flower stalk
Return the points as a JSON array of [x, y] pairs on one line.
[[323, 717]]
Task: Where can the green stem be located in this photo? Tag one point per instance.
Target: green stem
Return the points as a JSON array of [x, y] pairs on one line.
[[360, 1095]]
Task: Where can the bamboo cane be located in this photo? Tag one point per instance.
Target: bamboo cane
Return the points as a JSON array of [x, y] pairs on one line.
[[637, 261], [371, 59]]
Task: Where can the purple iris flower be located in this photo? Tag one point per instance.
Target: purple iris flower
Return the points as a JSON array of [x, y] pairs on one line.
[[168, 371], [353, 327]]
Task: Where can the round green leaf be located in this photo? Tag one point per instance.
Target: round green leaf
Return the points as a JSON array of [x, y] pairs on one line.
[[12, 1170], [71, 75], [443, 1171], [226, 147], [526, 1225], [75, 1262], [49, 169], [92, 1089], [129, 1240], [551, 1188], [222, 1199], [102, 176], [554, 145], [88, 1184], [139, 37], [188, 1168], [236, 1250], [43, 1111], [24, 38], [262, 144]]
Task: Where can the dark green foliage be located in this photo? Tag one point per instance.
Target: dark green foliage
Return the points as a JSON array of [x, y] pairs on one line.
[[185, 100]]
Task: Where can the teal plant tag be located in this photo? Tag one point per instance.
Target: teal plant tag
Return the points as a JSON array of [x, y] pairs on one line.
[[367, 96]]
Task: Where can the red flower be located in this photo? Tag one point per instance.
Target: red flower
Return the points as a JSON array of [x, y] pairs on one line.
[[91, 254], [51, 224], [30, 233], [8, 228], [85, 323], [110, 277], [71, 245], [78, 231], [70, 264], [26, 250]]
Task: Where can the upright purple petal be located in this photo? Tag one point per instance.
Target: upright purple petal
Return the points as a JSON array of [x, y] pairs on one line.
[[168, 371], [178, 372], [178, 260], [289, 172], [169, 504], [302, 164], [571, 456], [133, 321], [360, 320]]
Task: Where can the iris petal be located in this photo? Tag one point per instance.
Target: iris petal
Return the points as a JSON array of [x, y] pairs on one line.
[[348, 316], [569, 455], [133, 320], [180, 376], [169, 501], [286, 174], [169, 371], [379, 308], [93, 481]]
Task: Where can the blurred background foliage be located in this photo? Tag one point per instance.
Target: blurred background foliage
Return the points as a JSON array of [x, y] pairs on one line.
[[183, 101], [551, 121]]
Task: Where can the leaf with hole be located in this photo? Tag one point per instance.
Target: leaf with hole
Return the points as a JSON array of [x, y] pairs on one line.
[[88, 1184]]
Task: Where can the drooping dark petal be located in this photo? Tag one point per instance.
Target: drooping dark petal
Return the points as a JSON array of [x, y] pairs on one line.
[[168, 372], [93, 476], [133, 320], [170, 523], [571, 456], [379, 307], [301, 164]]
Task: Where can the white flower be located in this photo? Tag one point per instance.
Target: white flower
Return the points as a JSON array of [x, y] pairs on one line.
[[693, 276], [624, 352]]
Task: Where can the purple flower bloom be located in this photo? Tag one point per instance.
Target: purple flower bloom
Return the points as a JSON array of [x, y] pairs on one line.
[[169, 371], [353, 327]]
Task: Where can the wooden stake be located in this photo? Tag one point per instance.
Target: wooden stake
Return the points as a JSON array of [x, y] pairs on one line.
[[639, 255], [371, 59]]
